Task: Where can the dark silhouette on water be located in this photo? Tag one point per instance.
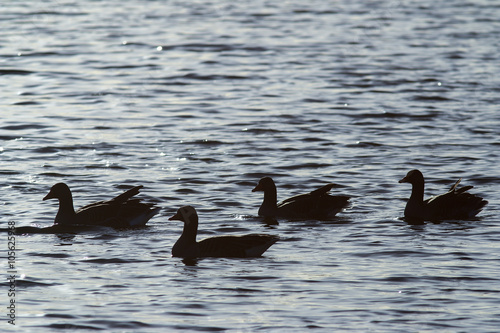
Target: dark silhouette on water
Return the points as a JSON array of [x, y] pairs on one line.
[[253, 245], [119, 212], [456, 204], [317, 204]]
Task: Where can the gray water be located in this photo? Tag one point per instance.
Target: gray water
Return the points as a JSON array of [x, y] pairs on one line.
[[196, 100]]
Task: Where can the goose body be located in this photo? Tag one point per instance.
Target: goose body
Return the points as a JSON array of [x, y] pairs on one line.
[[456, 204], [252, 245], [121, 211], [317, 204]]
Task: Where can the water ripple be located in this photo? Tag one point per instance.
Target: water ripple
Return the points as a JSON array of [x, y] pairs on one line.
[[198, 101]]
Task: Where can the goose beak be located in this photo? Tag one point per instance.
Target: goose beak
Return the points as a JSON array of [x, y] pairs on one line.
[[175, 217], [258, 188], [404, 180], [48, 196]]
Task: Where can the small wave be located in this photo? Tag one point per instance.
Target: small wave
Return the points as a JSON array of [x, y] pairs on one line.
[[184, 314], [213, 77], [204, 47], [54, 174], [194, 328], [23, 283], [51, 255], [73, 327], [314, 100], [304, 166], [226, 203], [262, 130], [9, 172], [15, 72], [53, 12], [26, 103], [394, 115], [253, 278], [54, 149], [205, 142], [314, 12], [44, 54], [147, 66], [431, 98], [105, 166], [186, 191], [23, 127], [361, 144], [392, 254], [60, 315], [110, 261]]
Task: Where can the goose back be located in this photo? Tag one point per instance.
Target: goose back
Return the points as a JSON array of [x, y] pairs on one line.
[[252, 245], [121, 211], [315, 204], [457, 203]]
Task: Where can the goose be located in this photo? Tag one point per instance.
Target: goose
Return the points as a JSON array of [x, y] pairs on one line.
[[317, 204], [122, 211], [456, 204], [252, 245]]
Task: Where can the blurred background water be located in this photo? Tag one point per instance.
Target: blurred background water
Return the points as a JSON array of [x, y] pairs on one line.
[[196, 100]]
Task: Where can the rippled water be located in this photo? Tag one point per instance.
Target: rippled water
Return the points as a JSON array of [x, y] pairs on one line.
[[196, 100]]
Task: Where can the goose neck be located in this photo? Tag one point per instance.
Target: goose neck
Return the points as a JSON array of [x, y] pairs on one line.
[[270, 196], [417, 192], [190, 230]]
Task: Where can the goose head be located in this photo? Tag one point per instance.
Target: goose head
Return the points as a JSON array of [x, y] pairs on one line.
[[58, 191], [264, 184], [186, 214], [413, 177]]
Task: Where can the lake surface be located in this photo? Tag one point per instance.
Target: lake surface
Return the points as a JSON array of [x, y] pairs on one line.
[[197, 100]]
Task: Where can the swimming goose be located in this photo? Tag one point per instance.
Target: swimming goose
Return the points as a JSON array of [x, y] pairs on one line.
[[456, 204], [317, 204], [253, 245], [121, 211]]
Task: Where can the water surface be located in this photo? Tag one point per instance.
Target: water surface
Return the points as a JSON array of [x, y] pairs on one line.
[[196, 101]]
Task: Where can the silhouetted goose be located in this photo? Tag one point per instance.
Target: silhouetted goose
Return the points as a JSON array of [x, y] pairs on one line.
[[456, 204], [121, 211], [253, 245], [317, 204]]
